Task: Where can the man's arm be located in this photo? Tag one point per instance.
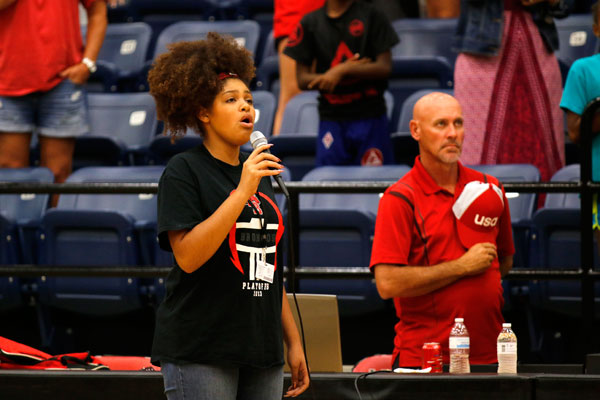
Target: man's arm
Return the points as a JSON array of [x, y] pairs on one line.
[[506, 264], [6, 3], [410, 281], [97, 22]]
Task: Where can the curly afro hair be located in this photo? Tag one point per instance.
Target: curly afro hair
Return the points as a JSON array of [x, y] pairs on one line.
[[185, 79]]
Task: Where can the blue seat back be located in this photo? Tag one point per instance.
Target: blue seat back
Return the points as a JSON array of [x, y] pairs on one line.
[[569, 173], [576, 38], [367, 202], [128, 117], [301, 114], [126, 46], [140, 206], [246, 33], [425, 37], [24, 206], [20, 215], [265, 105]]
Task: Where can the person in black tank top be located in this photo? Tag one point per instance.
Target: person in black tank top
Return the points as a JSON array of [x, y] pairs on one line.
[[220, 329]]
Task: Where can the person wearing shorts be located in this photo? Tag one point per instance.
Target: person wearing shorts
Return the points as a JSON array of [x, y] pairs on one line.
[[43, 65]]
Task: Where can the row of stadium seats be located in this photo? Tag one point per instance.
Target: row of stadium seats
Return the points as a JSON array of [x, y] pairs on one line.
[[335, 230], [423, 58]]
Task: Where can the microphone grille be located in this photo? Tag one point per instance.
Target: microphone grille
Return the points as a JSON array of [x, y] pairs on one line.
[[257, 139]]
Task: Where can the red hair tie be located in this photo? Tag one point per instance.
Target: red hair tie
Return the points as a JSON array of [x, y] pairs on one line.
[[225, 75]]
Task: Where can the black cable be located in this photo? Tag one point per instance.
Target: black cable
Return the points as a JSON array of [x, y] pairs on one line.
[[364, 377]]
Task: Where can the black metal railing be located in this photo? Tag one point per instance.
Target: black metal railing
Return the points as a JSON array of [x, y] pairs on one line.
[[585, 187]]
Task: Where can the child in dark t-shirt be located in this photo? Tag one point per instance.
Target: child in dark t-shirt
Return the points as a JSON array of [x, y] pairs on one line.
[[350, 42]]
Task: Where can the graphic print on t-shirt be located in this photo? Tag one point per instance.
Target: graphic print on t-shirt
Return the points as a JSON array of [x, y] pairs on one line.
[[253, 242]]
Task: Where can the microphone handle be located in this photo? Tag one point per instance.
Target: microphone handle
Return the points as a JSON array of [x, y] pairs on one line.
[[277, 177], [282, 186]]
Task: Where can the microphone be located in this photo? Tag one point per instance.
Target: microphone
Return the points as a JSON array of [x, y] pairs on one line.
[[258, 139]]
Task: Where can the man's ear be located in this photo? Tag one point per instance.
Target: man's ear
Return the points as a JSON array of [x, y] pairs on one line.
[[596, 29], [415, 130]]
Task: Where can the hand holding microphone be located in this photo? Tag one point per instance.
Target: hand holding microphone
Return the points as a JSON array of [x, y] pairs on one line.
[[257, 139]]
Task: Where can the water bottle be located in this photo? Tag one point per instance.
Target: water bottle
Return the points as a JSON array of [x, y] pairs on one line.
[[507, 350], [459, 348]]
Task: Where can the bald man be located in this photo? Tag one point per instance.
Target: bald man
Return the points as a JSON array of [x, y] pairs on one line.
[[443, 239]]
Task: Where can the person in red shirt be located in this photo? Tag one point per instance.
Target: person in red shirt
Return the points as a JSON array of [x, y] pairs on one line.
[[443, 240], [43, 65]]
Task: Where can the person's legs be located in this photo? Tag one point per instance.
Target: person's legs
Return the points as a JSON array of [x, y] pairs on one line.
[[57, 155], [258, 383], [62, 117], [16, 124], [288, 84], [14, 149], [332, 144], [371, 139], [200, 382]]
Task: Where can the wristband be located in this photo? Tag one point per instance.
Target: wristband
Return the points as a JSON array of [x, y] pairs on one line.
[[89, 64]]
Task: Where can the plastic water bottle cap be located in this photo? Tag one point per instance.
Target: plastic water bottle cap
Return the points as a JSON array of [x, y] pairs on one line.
[[506, 325], [458, 319]]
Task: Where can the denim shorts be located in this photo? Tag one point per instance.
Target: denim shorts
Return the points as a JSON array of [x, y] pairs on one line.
[[60, 112], [211, 382]]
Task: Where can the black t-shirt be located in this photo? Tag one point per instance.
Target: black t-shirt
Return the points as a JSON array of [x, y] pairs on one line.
[[361, 29], [221, 313]]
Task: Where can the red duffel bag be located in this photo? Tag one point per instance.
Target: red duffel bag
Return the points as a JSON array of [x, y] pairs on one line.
[[14, 355]]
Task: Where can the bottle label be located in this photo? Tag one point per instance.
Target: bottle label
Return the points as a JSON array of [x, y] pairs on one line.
[[459, 342], [507, 348]]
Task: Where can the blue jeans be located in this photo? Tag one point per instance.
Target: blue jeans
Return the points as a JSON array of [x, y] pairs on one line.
[[60, 112], [212, 382]]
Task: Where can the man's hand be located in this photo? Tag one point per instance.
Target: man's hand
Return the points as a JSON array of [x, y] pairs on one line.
[[78, 73], [478, 258]]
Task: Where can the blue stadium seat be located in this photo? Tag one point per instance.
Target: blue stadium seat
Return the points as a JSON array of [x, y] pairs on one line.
[[296, 142], [244, 32], [405, 147], [423, 58], [576, 40], [123, 54], [557, 244], [122, 126], [100, 229], [20, 216], [336, 230], [265, 105], [161, 148], [425, 37]]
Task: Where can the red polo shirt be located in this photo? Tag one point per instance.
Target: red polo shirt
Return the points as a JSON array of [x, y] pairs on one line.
[[478, 299], [38, 40]]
